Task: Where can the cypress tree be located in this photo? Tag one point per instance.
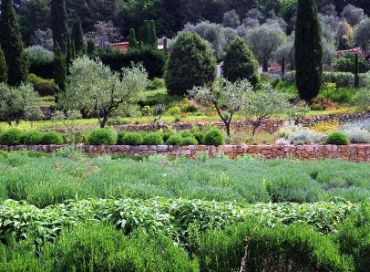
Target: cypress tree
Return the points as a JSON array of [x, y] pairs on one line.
[[357, 71], [12, 45], [60, 70], [90, 47], [240, 63], [308, 50], [132, 39], [59, 23], [77, 37], [3, 67], [145, 33], [71, 53], [153, 41], [191, 63]]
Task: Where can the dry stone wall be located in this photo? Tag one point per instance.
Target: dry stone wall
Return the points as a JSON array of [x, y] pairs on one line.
[[358, 153]]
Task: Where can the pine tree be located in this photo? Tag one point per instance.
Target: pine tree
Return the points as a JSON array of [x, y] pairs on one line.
[[60, 70], [240, 63], [132, 39], [3, 67], [59, 23], [308, 50], [12, 45], [77, 37]]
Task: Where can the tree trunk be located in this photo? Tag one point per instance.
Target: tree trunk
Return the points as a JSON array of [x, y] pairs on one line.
[[103, 121], [265, 66]]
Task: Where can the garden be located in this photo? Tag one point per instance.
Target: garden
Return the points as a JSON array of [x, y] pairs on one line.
[[198, 136]]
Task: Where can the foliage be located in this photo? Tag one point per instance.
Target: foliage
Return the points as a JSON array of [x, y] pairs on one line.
[[95, 87], [240, 63], [346, 63], [133, 43], [190, 140], [60, 68], [59, 24], [337, 138], [11, 137], [153, 139], [44, 87], [352, 14], [3, 68], [214, 137], [32, 138], [132, 138], [175, 140], [16, 102], [191, 64], [362, 100], [226, 97], [52, 138], [308, 48], [104, 33], [362, 34], [12, 45], [152, 59], [102, 137], [264, 104], [78, 36], [231, 19], [40, 61], [356, 134], [257, 248], [264, 40]]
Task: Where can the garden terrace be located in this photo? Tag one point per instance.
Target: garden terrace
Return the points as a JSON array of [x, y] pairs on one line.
[[356, 153]]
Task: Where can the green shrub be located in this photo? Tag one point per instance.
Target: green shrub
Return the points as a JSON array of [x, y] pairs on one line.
[[189, 141], [191, 64], [44, 87], [187, 133], [199, 135], [175, 140], [52, 138], [166, 134], [143, 253], [340, 95], [214, 137], [132, 138], [346, 63], [286, 248], [337, 138], [11, 137], [86, 247], [32, 138], [153, 139], [240, 63], [102, 136], [120, 137], [354, 238]]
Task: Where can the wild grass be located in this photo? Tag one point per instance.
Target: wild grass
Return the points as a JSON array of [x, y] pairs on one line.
[[44, 180]]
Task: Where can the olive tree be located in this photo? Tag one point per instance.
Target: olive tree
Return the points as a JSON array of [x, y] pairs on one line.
[[226, 97], [263, 105], [95, 87], [16, 103], [362, 35], [264, 40]]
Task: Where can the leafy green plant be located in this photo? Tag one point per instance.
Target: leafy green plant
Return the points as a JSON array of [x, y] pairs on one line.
[[337, 138], [189, 141], [214, 137], [52, 138], [102, 137], [175, 140], [32, 138], [11, 137], [132, 138], [153, 139]]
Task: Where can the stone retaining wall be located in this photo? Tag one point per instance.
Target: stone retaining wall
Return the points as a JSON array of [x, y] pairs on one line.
[[303, 152]]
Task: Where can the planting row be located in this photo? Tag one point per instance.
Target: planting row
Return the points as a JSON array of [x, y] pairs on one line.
[[209, 236], [45, 179], [210, 136]]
